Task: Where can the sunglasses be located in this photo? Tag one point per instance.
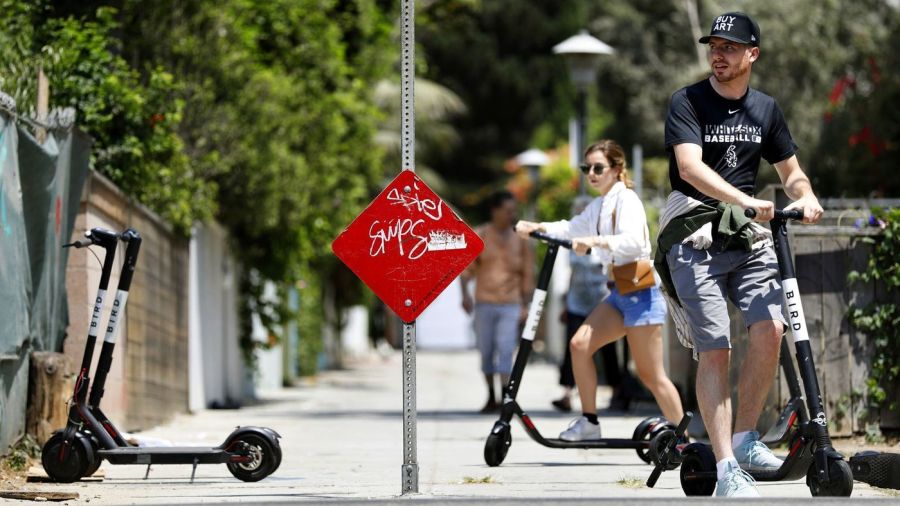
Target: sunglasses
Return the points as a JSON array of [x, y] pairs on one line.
[[596, 167]]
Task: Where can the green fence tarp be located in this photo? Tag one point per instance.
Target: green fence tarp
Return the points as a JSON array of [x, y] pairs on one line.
[[15, 274], [40, 190], [52, 177]]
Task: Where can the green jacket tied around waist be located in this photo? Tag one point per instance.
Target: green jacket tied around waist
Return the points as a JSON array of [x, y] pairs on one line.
[[734, 227]]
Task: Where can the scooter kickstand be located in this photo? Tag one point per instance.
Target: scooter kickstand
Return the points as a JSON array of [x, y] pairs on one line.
[[146, 474], [194, 470]]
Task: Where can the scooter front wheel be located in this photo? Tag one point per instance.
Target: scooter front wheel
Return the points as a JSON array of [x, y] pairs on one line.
[[699, 461], [258, 458], [497, 445], [95, 463], [840, 484], [66, 461]]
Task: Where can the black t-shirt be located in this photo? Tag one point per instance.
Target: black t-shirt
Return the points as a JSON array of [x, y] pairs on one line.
[[734, 135]]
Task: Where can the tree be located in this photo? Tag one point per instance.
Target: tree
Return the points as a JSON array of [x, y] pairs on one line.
[[282, 117], [858, 151], [497, 56], [260, 113], [132, 117]]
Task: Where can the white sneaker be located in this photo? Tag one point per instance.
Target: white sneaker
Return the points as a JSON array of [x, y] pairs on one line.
[[736, 483], [753, 455], [580, 429]]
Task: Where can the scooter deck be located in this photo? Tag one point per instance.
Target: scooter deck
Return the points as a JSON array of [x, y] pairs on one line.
[[612, 443], [620, 444], [166, 455]]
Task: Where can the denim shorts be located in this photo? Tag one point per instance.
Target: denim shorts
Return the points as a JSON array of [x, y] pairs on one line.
[[644, 307]]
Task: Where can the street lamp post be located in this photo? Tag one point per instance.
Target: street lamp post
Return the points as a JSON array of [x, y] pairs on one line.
[[532, 160], [582, 52]]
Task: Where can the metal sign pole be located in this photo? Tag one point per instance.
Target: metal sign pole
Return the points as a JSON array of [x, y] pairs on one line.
[[410, 468]]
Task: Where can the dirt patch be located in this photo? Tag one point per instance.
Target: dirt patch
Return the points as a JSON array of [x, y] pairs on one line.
[[11, 479], [15, 463]]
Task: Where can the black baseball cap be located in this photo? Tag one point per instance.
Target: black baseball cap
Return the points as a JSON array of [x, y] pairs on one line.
[[736, 27]]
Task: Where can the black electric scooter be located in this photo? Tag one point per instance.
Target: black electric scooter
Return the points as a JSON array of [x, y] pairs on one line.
[[500, 438], [810, 453], [250, 453]]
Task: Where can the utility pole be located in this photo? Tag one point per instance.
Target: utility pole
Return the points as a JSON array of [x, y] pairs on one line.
[[43, 104]]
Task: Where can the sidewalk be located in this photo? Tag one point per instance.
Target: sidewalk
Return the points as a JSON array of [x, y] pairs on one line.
[[342, 441]]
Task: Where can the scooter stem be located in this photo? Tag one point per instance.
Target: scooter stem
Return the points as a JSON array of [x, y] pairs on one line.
[[804, 353], [531, 324]]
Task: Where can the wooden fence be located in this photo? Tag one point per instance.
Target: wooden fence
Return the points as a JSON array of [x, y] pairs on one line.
[[148, 382]]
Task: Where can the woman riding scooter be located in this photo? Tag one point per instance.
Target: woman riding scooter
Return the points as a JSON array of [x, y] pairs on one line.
[[614, 227]]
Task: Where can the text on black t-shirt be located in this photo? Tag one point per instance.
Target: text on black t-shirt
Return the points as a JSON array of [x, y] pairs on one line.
[[734, 135]]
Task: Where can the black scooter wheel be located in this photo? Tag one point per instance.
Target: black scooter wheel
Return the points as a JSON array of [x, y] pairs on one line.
[[658, 444], [646, 431], [263, 461], [96, 461], [277, 452], [276, 447], [698, 459], [497, 446], [65, 462], [840, 484]]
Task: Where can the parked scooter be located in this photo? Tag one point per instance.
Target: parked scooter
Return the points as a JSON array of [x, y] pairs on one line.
[[250, 453]]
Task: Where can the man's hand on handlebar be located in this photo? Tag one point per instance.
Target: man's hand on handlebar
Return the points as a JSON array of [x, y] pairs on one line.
[[765, 210], [523, 228], [812, 210]]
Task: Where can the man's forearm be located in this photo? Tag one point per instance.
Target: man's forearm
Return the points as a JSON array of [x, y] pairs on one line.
[[798, 186], [710, 183]]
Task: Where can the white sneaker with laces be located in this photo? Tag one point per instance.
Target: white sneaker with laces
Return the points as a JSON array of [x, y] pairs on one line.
[[753, 455], [736, 483], [580, 429]]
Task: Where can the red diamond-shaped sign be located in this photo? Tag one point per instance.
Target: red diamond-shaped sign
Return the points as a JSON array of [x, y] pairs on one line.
[[407, 246]]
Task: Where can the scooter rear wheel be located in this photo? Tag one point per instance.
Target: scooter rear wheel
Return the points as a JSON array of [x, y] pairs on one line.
[[646, 431], [698, 458], [65, 463], [497, 446], [840, 484], [276, 448], [264, 458]]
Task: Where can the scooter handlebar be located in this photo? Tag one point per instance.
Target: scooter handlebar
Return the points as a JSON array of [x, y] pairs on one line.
[[784, 214], [77, 244], [100, 236], [565, 243], [129, 235]]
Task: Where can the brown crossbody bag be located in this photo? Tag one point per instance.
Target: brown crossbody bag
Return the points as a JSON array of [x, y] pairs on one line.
[[634, 276]]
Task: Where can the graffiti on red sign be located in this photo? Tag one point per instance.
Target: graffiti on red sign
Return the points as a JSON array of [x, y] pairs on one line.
[[399, 231], [407, 245]]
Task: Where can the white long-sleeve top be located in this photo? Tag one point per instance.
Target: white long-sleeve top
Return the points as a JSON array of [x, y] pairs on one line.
[[630, 239]]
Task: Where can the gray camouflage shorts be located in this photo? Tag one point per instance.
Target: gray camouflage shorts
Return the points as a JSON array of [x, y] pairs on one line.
[[704, 278]]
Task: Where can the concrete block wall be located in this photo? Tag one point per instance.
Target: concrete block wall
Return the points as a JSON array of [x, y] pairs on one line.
[[148, 382]]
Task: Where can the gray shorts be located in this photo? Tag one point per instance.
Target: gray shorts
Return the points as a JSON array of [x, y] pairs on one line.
[[704, 278], [497, 333]]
